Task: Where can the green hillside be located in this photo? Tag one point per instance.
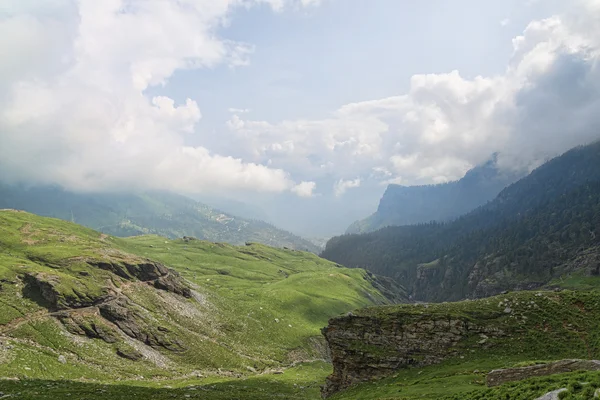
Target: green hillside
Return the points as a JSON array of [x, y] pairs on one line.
[[527, 328], [79, 305], [538, 231], [161, 213]]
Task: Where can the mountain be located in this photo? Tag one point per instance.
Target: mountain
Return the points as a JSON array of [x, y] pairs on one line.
[[407, 205], [544, 227], [234, 207], [161, 213], [157, 318]]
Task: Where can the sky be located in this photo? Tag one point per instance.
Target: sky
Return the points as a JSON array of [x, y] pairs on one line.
[[306, 109]]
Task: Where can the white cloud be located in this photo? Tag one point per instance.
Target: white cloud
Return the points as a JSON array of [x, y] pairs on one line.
[[546, 101], [310, 2], [239, 110], [505, 22], [305, 189], [73, 106], [342, 186]]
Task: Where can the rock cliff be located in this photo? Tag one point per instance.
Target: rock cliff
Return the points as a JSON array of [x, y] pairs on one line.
[[364, 348], [376, 342]]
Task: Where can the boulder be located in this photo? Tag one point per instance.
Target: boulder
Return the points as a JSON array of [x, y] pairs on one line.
[[130, 354]]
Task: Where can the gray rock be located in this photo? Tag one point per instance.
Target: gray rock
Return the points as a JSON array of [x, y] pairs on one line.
[[365, 348], [552, 395], [500, 376], [130, 354], [62, 359]]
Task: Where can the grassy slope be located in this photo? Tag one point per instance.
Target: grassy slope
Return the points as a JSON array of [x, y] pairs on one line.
[[543, 326], [243, 290], [162, 213], [256, 308]]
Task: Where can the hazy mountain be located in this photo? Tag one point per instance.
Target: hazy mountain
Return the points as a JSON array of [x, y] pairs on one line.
[[406, 205], [234, 207], [321, 216], [162, 213], [537, 229]]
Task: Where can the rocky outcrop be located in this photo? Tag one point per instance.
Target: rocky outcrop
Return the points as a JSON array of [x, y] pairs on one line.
[[129, 353], [59, 293], [124, 314], [369, 347], [501, 376], [173, 283], [65, 292], [553, 395], [91, 326], [146, 271], [95, 308]]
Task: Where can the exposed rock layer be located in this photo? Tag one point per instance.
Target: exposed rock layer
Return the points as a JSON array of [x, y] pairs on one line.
[[147, 271], [364, 348], [500, 376]]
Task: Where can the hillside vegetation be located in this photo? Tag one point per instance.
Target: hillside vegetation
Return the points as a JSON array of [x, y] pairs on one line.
[[523, 328], [161, 213], [542, 228], [406, 205], [79, 305]]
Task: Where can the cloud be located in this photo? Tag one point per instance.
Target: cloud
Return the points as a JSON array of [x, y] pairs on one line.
[[342, 186], [305, 189], [546, 101], [310, 2], [505, 22], [74, 108], [239, 110]]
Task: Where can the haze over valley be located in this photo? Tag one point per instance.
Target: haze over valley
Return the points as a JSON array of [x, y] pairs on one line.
[[299, 199]]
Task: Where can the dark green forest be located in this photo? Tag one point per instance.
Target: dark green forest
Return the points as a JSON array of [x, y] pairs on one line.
[[538, 228], [407, 205]]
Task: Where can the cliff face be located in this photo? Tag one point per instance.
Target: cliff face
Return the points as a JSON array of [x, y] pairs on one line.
[[370, 347], [376, 342]]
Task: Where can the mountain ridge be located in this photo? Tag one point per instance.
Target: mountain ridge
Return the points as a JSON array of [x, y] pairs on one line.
[[162, 213], [533, 230], [408, 205]]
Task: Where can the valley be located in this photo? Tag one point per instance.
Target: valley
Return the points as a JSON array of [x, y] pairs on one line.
[[80, 304], [89, 315], [299, 199], [538, 230]]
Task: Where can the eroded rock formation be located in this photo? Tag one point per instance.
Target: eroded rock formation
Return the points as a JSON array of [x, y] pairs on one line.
[[364, 348], [500, 376]]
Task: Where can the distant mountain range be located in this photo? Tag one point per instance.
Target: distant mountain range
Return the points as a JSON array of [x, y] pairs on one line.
[[544, 227], [161, 213], [407, 205]]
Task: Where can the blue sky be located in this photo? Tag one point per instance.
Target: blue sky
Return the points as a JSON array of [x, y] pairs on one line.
[[307, 64], [315, 104]]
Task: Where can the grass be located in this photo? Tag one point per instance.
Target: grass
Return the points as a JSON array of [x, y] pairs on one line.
[[541, 325], [257, 312], [256, 309], [448, 383], [295, 383]]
